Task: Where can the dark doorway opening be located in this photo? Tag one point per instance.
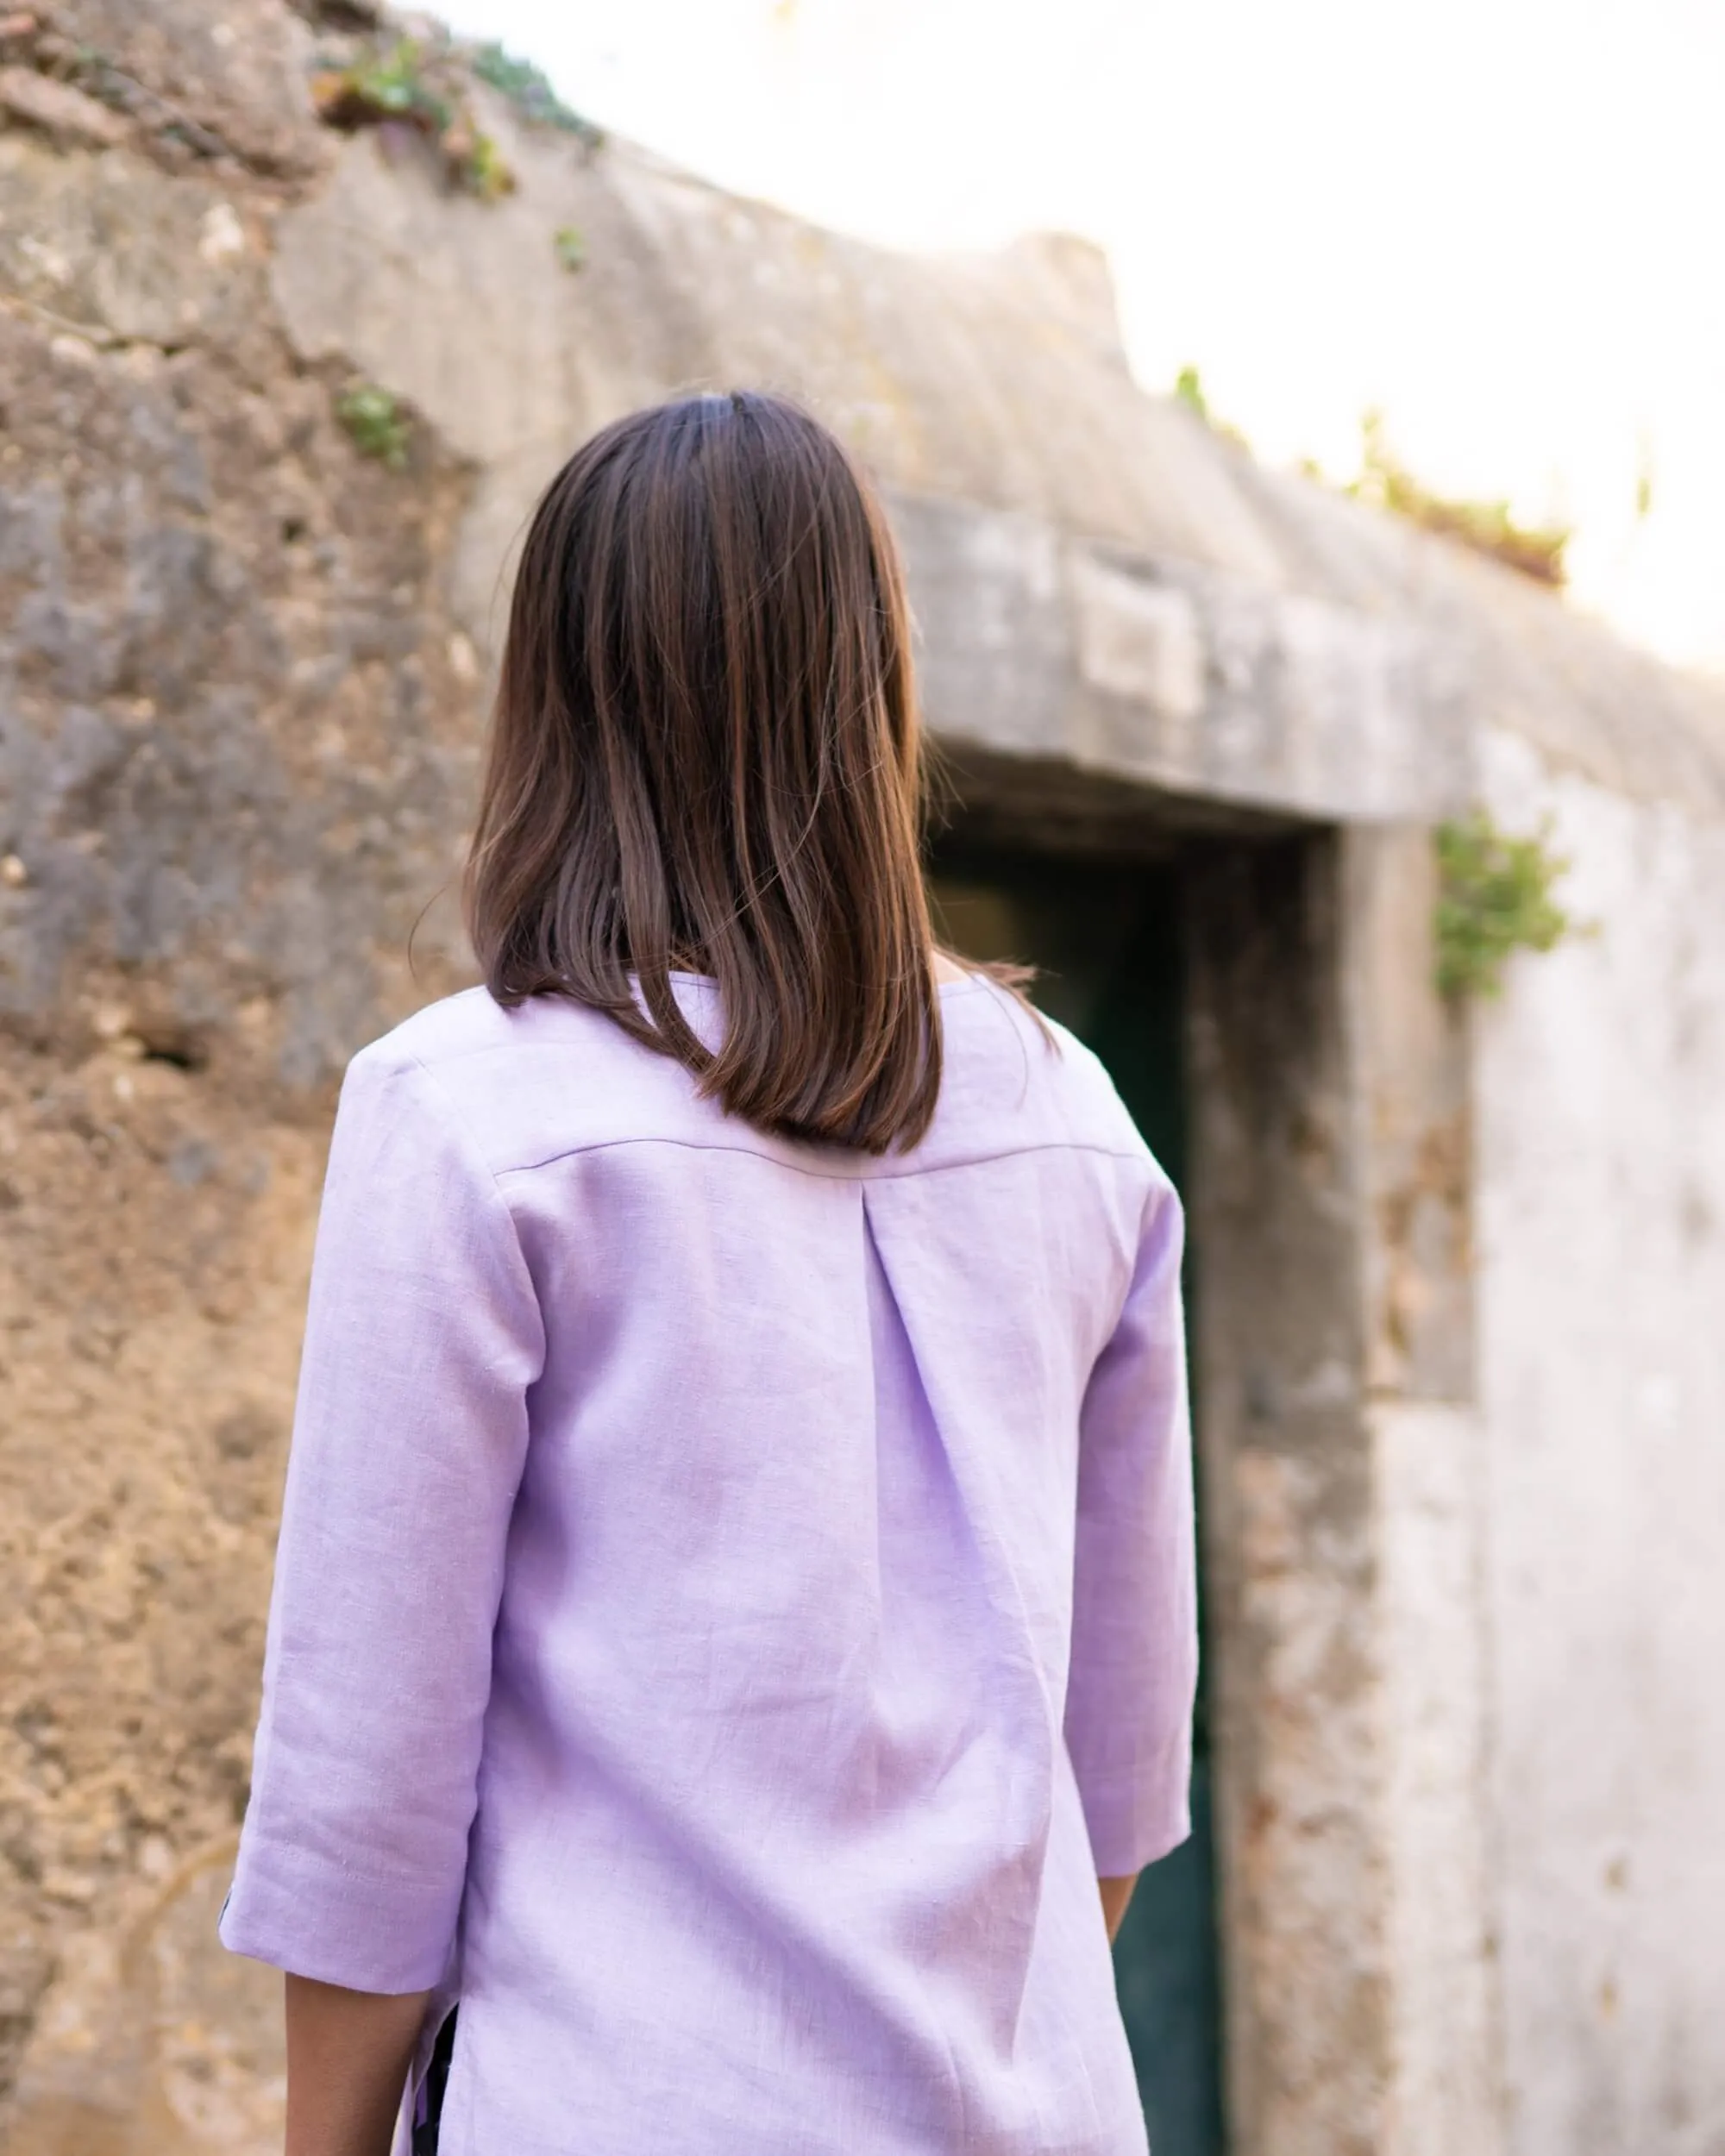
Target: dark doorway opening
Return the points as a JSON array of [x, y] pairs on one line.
[[1105, 935]]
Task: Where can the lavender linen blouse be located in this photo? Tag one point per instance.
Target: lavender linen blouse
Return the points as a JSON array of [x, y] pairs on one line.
[[734, 1596]]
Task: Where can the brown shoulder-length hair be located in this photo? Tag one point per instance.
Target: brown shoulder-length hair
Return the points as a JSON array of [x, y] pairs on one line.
[[705, 756]]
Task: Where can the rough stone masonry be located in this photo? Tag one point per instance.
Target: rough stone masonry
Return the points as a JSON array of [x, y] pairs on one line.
[[237, 728]]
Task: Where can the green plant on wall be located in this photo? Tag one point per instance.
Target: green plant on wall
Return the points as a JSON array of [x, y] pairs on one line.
[[393, 83], [406, 86], [1188, 390], [419, 86], [474, 161], [1488, 527], [1494, 897], [529, 90], [378, 425]]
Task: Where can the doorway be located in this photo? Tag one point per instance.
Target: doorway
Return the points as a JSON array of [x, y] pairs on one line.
[[1105, 936]]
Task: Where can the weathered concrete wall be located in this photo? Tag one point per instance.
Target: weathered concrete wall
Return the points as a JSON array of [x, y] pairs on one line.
[[1600, 1195], [1287, 1503], [1099, 576], [1411, 1129], [1340, 1484], [1464, 1395]]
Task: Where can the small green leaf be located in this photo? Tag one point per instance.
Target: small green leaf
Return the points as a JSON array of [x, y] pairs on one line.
[[376, 423], [482, 168]]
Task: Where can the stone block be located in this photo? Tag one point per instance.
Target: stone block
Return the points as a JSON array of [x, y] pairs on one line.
[[114, 250], [65, 115], [232, 73]]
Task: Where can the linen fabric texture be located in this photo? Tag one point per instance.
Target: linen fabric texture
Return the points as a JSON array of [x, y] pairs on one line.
[[734, 1596]]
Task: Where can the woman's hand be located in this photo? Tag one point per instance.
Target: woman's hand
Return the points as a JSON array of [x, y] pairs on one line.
[[348, 2056], [1116, 1894]]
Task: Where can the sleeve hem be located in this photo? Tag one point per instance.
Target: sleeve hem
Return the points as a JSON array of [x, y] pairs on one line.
[[376, 1941], [1126, 1856], [1130, 1829]]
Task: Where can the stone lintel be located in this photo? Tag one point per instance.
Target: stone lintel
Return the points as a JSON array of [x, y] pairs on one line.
[[1175, 675]]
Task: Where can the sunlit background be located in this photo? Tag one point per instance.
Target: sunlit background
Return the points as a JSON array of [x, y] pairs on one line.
[[1497, 220]]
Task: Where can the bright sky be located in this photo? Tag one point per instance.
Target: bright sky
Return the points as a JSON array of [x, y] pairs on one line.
[[1501, 222]]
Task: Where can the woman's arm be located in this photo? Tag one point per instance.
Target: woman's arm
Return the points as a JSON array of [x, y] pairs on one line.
[[1117, 1894], [348, 2056], [422, 1341], [1134, 1658]]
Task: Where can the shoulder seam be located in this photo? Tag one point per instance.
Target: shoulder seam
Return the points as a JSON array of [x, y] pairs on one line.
[[470, 1143], [831, 1174]]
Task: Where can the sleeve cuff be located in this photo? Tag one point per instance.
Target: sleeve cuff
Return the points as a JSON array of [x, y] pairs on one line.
[[366, 1934], [1132, 1824]]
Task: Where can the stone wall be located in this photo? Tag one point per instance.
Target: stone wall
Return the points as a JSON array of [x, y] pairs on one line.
[[237, 731]]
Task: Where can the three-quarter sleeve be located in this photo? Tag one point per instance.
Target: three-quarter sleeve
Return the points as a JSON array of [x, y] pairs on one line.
[[1135, 1663], [423, 1337]]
